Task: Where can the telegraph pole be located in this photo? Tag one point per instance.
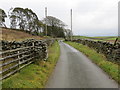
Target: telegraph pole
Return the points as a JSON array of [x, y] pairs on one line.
[[118, 21], [71, 24], [46, 23]]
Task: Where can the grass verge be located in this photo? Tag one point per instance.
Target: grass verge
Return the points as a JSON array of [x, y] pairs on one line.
[[35, 75], [99, 59]]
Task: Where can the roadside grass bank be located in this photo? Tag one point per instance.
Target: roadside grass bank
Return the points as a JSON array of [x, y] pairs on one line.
[[109, 67], [35, 75]]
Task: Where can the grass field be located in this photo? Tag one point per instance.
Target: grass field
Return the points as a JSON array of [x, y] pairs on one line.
[[16, 35], [35, 75], [105, 38], [99, 59]]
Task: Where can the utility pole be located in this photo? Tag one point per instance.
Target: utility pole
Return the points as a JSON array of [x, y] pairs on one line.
[[118, 22], [71, 24], [46, 19]]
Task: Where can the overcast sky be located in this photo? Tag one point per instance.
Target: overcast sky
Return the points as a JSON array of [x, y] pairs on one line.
[[90, 17]]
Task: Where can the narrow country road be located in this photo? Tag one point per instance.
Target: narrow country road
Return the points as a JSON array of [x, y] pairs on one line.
[[75, 70]]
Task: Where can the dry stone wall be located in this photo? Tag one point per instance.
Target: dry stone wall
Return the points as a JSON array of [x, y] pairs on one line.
[[39, 50], [111, 51]]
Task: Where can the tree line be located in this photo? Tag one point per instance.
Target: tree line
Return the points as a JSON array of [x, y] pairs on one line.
[[28, 21]]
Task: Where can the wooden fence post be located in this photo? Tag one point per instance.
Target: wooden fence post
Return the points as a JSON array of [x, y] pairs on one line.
[[33, 44], [18, 60]]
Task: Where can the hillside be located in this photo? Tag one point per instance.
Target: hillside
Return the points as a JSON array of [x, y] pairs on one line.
[[15, 35]]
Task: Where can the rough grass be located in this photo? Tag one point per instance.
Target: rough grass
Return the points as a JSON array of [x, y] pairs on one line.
[[35, 75], [99, 59], [16, 35]]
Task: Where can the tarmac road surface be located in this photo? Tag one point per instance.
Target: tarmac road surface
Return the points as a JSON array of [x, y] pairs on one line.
[[75, 70]]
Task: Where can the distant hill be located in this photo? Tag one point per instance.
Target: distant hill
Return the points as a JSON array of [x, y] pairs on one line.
[[105, 38], [16, 35]]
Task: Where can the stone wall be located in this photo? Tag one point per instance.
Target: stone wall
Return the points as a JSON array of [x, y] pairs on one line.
[[111, 51], [40, 46]]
